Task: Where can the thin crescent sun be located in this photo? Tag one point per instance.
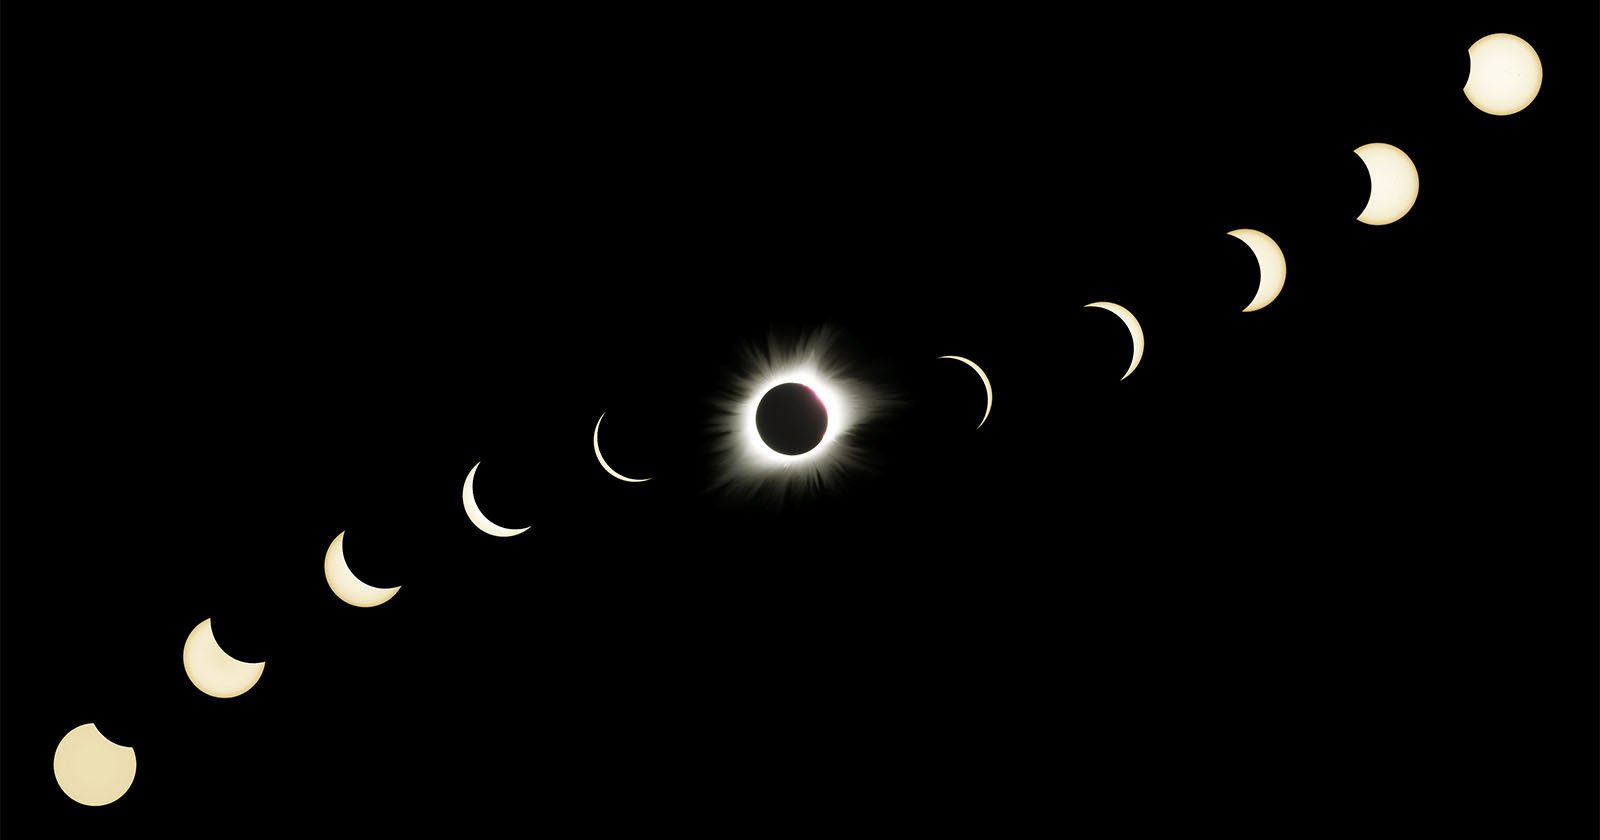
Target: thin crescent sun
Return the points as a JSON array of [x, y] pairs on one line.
[[988, 390], [1135, 331], [469, 502], [602, 458]]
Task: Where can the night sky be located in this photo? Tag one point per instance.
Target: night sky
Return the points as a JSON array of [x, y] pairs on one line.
[[1329, 564]]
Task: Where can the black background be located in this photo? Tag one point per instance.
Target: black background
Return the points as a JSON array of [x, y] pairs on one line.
[[274, 276]]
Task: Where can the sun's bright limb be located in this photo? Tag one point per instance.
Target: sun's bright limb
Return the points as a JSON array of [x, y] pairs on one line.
[[751, 469]]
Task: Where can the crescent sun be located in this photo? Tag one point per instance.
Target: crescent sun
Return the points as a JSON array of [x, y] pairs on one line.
[[483, 523], [1394, 183], [212, 670], [344, 583], [1270, 259], [1134, 330], [988, 390], [602, 458]]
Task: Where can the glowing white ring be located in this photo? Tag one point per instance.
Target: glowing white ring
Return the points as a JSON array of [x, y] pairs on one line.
[[748, 465]]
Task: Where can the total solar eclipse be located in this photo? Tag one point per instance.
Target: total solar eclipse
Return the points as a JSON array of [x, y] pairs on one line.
[[785, 426], [791, 419]]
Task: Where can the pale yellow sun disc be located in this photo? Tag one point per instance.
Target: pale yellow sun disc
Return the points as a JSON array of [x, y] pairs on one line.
[[1506, 74], [92, 770]]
